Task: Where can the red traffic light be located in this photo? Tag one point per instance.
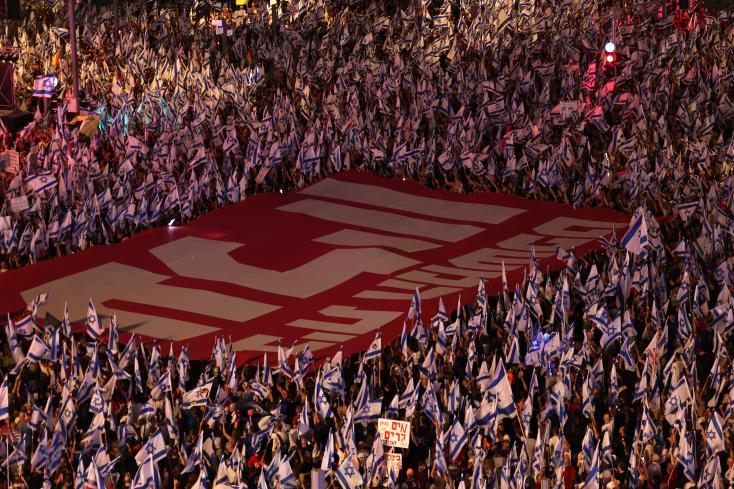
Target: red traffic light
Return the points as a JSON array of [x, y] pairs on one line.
[[610, 58]]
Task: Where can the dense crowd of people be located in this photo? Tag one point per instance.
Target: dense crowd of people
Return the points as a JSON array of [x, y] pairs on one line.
[[469, 96], [612, 372]]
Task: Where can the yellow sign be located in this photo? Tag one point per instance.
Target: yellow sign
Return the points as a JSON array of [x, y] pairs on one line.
[[240, 2]]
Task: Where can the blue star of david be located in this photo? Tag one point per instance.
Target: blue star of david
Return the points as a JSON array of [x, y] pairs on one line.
[[454, 438], [349, 470], [323, 400], [68, 413], [44, 179], [48, 83], [674, 402], [91, 319], [149, 448]]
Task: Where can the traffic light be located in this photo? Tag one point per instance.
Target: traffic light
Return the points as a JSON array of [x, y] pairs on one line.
[[610, 55]]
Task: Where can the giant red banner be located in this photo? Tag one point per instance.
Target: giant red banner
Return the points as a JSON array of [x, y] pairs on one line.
[[326, 266]]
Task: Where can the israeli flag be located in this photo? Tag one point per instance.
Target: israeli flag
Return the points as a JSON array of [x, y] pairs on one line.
[[348, 475], [592, 480], [303, 424], [322, 403], [4, 404], [624, 354], [369, 412], [686, 458], [284, 367], [441, 317], [94, 477], [42, 181], [457, 440], [37, 350], [611, 332], [148, 410], [375, 349], [500, 387], [647, 428], [635, 239], [375, 461], [711, 475], [155, 448], [197, 396], [285, 474], [714, 436], [685, 211], [162, 386], [202, 482], [94, 326], [44, 86]]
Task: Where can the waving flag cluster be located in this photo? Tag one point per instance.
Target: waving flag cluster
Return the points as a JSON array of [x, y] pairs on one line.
[[508, 96]]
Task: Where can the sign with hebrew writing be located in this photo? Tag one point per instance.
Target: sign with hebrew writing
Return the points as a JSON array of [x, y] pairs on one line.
[[394, 462], [326, 266], [394, 433]]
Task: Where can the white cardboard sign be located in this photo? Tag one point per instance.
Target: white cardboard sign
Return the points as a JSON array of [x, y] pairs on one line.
[[394, 433]]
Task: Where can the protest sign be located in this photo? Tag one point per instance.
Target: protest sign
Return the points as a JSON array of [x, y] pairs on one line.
[[19, 204], [394, 433], [394, 462]]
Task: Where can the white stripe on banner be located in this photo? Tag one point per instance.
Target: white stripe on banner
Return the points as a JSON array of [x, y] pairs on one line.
[[352, 237], [383, 221], [392, 199]]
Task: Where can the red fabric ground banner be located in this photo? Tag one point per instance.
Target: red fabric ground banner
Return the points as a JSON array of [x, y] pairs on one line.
[[326, 266]]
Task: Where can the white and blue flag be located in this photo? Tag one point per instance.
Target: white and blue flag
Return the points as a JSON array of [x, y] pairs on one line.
[[45, 86], [94, 325], [635, 239], [154, 448], [4, 404], [457, 439], [348, 475], [375, 349]]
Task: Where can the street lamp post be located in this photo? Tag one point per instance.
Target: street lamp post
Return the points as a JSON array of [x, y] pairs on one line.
[[116, 8], [74, 101], [224, 37]]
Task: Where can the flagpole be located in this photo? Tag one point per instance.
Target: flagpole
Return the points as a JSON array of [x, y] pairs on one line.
[[694, 402], [522, 429]]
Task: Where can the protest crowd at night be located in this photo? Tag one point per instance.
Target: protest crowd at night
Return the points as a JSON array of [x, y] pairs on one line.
[[610, 370]]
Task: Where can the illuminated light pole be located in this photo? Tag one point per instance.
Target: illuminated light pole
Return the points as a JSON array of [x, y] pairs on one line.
[[224, 35], [116, 8], [74, 101]]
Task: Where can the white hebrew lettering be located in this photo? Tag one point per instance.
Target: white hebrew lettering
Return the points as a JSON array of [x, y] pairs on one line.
[[209, 259], [130, 284]]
